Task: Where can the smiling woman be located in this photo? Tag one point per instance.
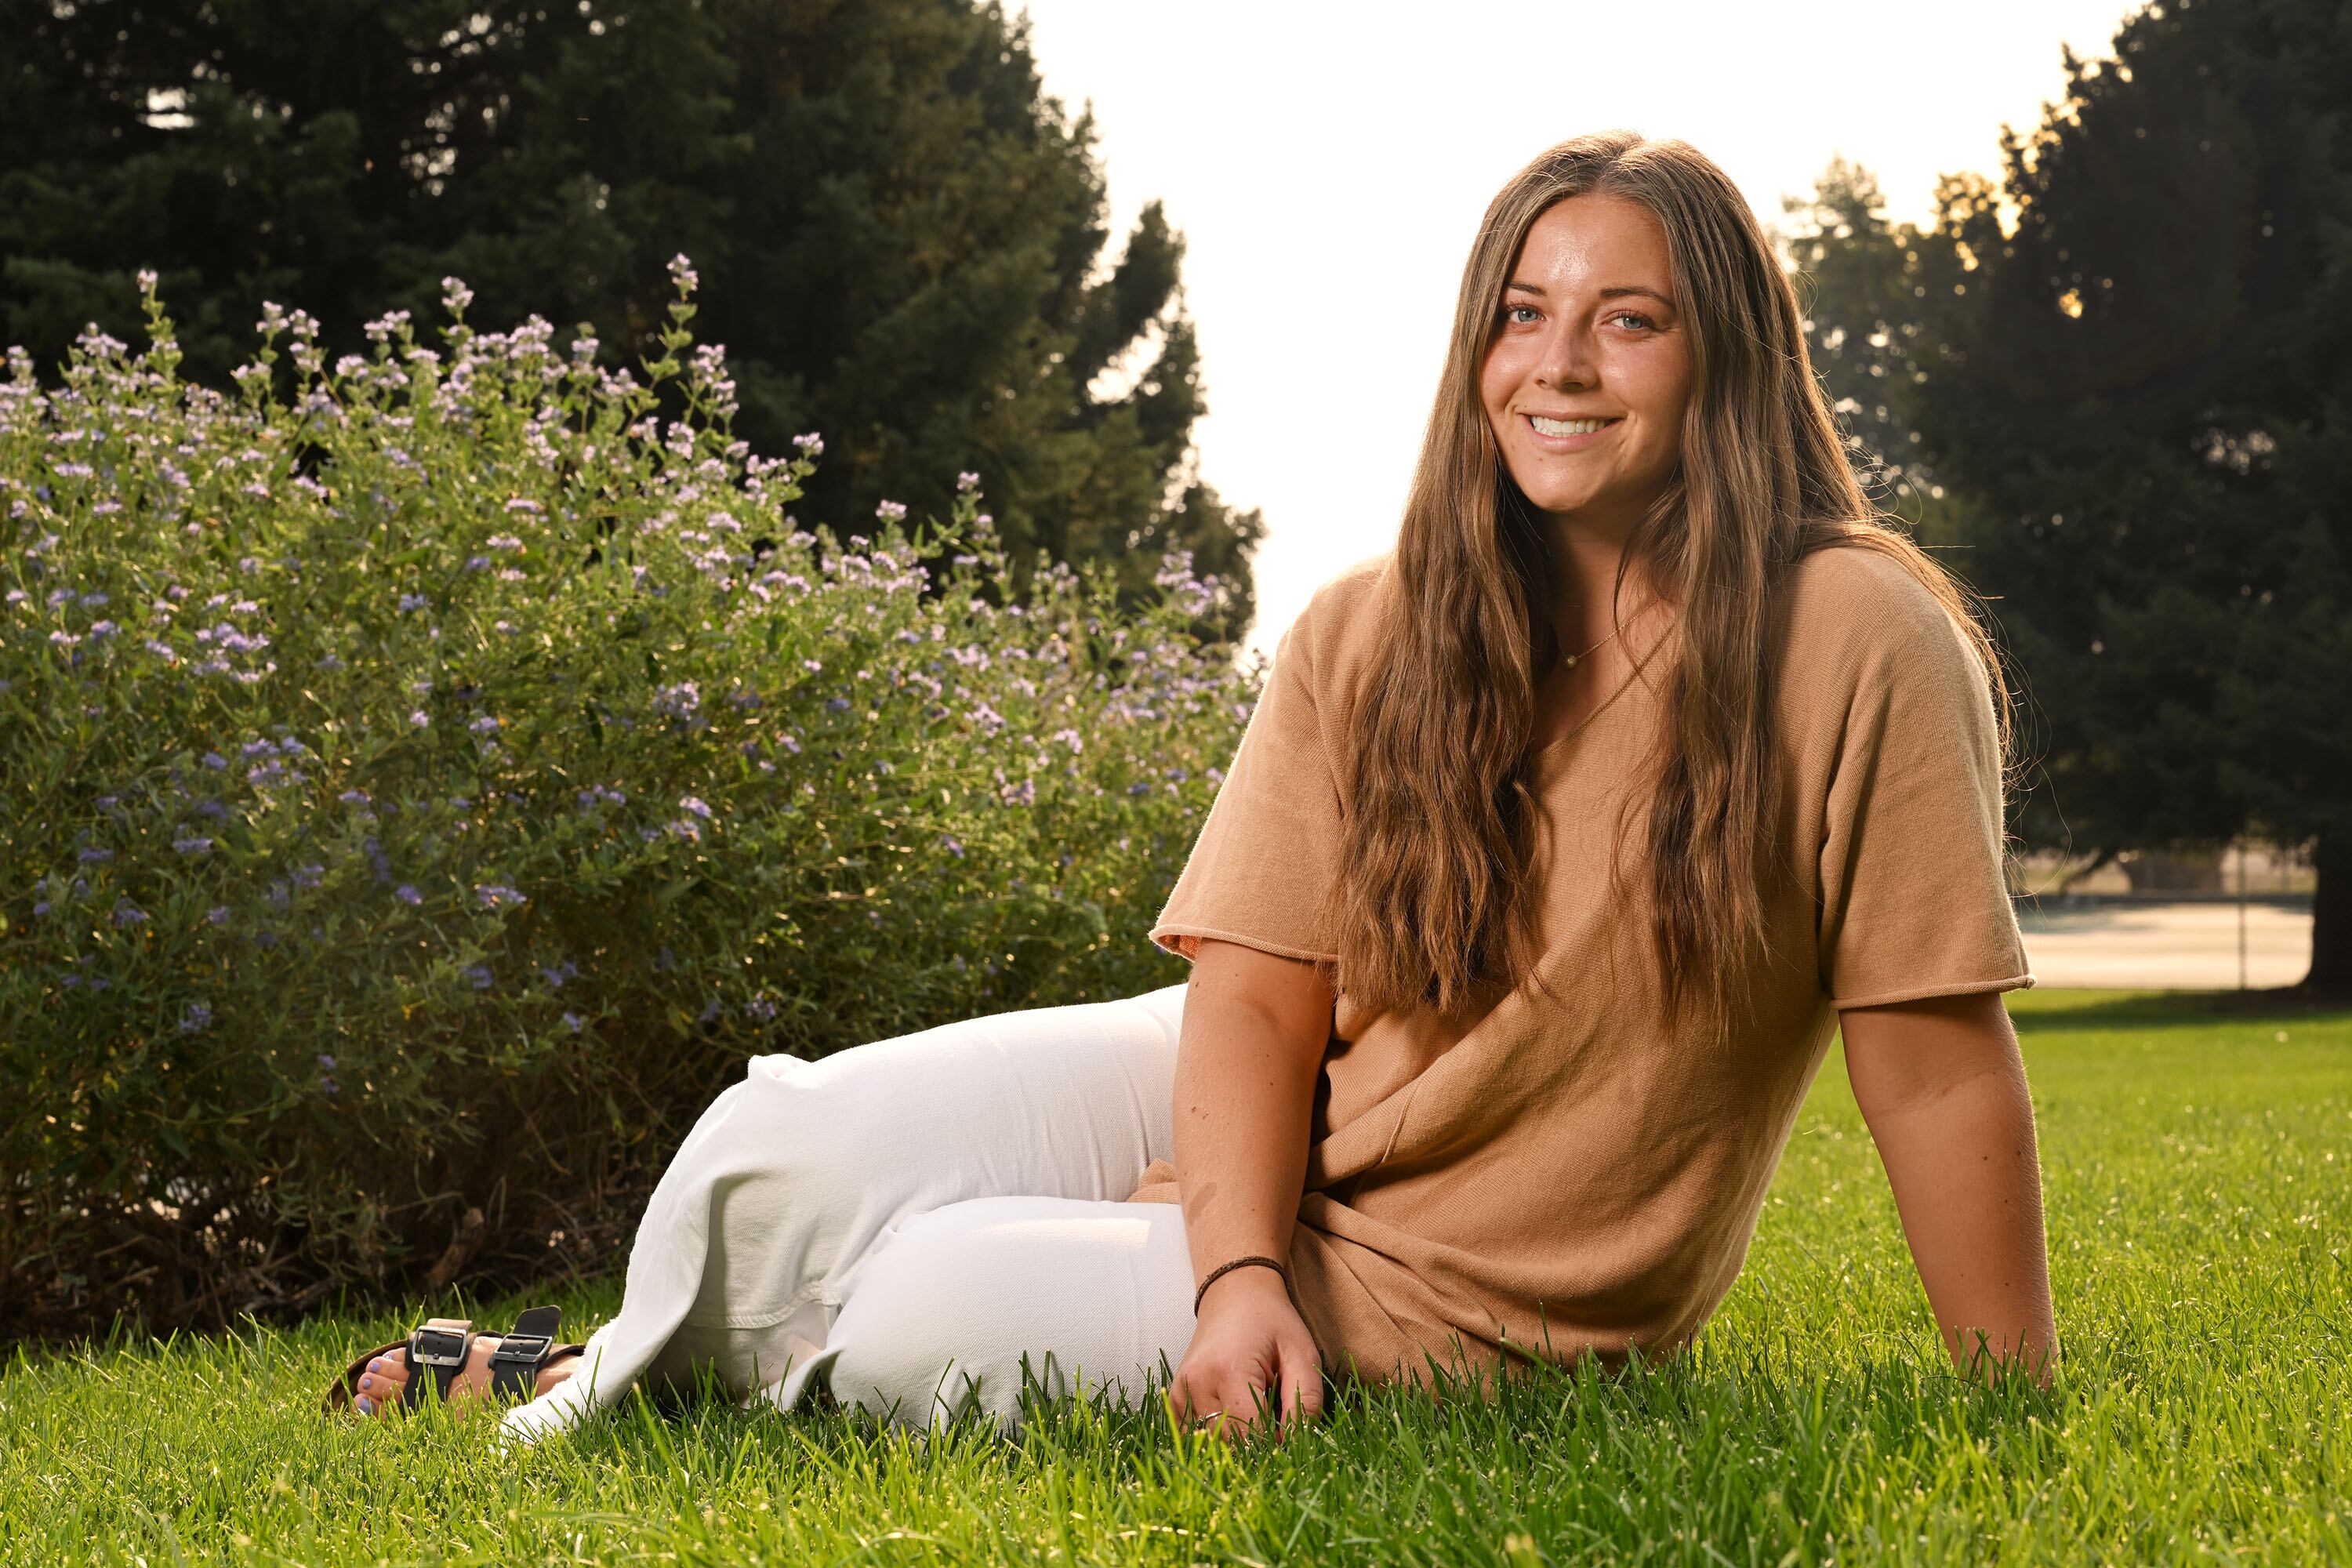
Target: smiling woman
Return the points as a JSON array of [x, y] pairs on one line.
[[1589, 369], [1561, 842]]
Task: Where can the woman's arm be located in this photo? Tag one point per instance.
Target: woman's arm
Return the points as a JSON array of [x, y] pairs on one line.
[[1942, 1086], [1255, 1028]]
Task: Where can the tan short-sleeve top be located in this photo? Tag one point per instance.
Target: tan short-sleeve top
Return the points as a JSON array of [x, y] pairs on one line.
[[1569, 1171]]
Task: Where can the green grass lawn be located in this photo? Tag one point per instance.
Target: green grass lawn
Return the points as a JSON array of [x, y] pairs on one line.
[[2196, 1158]]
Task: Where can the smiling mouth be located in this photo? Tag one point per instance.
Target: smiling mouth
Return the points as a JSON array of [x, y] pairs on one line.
[[1567, 427]]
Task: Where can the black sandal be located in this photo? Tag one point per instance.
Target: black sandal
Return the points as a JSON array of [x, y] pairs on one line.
[[439, 1349]]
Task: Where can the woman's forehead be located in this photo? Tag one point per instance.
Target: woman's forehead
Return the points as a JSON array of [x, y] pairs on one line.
[[1598, 243]]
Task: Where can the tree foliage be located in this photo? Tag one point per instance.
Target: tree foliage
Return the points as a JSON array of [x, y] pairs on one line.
[[902, 240], [2130, 358]]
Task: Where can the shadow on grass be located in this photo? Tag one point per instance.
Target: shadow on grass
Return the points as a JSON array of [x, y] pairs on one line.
[[2040, 1012]]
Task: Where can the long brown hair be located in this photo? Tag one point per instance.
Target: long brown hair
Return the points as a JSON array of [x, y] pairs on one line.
[[1436, 904]]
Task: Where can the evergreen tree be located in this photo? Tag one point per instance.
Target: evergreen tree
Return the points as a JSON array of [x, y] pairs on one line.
[[2131, 358], [901, 240]]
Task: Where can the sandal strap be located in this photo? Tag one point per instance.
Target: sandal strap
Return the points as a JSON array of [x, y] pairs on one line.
[[437, 1352], [522, 1350]]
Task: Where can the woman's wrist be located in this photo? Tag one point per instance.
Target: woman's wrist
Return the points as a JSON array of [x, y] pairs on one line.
[[1256, 1283]]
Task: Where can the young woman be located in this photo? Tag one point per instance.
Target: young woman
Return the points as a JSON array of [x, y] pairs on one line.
[[1565, 835]]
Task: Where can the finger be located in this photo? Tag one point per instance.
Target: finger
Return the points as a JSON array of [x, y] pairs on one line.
[[1233, 1411], [1261, 1400], [1302, 1384]]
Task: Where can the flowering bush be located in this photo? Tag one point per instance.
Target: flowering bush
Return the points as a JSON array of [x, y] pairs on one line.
[[430, 774]]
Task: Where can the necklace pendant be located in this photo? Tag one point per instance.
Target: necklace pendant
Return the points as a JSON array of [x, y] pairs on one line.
[[1570, 663]]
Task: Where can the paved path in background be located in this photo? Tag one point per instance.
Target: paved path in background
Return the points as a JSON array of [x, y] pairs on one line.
[[2188, 947]]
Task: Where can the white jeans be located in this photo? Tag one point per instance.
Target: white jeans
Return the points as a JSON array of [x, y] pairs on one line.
[[907, 1220]]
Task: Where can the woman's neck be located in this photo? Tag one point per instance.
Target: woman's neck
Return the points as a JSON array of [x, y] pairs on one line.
[[1588, 606]]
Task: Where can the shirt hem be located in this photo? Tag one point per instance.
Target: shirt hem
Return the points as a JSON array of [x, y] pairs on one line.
[[2022, 980], [1280, 950]]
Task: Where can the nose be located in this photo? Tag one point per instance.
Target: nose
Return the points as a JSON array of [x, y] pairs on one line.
[[1567, 362]]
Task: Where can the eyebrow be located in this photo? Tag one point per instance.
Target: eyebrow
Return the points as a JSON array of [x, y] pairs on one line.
[[1617, 293]]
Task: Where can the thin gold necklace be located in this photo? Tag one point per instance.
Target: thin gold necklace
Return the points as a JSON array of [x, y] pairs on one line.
[[1569, 660]]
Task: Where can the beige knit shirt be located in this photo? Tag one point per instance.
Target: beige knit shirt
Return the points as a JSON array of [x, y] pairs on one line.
[[1578, 1170]]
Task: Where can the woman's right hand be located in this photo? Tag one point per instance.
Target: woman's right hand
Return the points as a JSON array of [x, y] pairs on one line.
[[1250, 1353]]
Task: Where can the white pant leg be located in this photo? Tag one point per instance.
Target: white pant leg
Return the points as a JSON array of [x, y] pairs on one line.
[[758, 1229], [1092, 1296]]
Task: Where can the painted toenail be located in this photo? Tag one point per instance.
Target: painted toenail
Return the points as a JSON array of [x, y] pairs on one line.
[[366, 1382], [376, 1365], [365, 1405]]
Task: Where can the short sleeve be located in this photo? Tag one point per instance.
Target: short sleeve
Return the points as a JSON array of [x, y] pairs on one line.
[[1915, 898], [1267, 856]]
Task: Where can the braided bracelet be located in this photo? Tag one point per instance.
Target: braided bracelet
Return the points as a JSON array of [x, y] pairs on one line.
[[1224, 1268]]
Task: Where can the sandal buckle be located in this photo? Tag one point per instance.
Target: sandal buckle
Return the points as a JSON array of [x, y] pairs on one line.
[[525, 1347], [439, 1347]]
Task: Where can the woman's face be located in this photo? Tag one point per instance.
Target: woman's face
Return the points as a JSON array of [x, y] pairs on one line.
[[1589, 371]]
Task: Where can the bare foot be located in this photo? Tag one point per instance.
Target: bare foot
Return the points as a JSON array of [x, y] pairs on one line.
[[386, 1378]]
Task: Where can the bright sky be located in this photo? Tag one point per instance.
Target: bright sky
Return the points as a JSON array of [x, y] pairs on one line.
[[1328, 164]]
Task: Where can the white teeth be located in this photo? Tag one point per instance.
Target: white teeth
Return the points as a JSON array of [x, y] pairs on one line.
[[1565, 426]]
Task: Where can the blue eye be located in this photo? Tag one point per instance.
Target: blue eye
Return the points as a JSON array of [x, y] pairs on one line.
[[1510, 312], [1632, 316]]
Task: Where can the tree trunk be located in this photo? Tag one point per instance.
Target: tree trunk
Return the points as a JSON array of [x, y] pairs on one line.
[[2331, 918]]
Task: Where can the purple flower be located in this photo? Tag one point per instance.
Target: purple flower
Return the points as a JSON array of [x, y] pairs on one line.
[[353, 797], [94, 856], [217, 915], [195, 1018], [483, 725], [215, 759], [572, 1021], [967, 483], [494, 895], [950, 842], [419, 719], [479, 973], [126, 913], [681, 272], [689, 803], [891, 511], [193, 845], [407, 894], [326, 1062], [412, 602], [812, 445]]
